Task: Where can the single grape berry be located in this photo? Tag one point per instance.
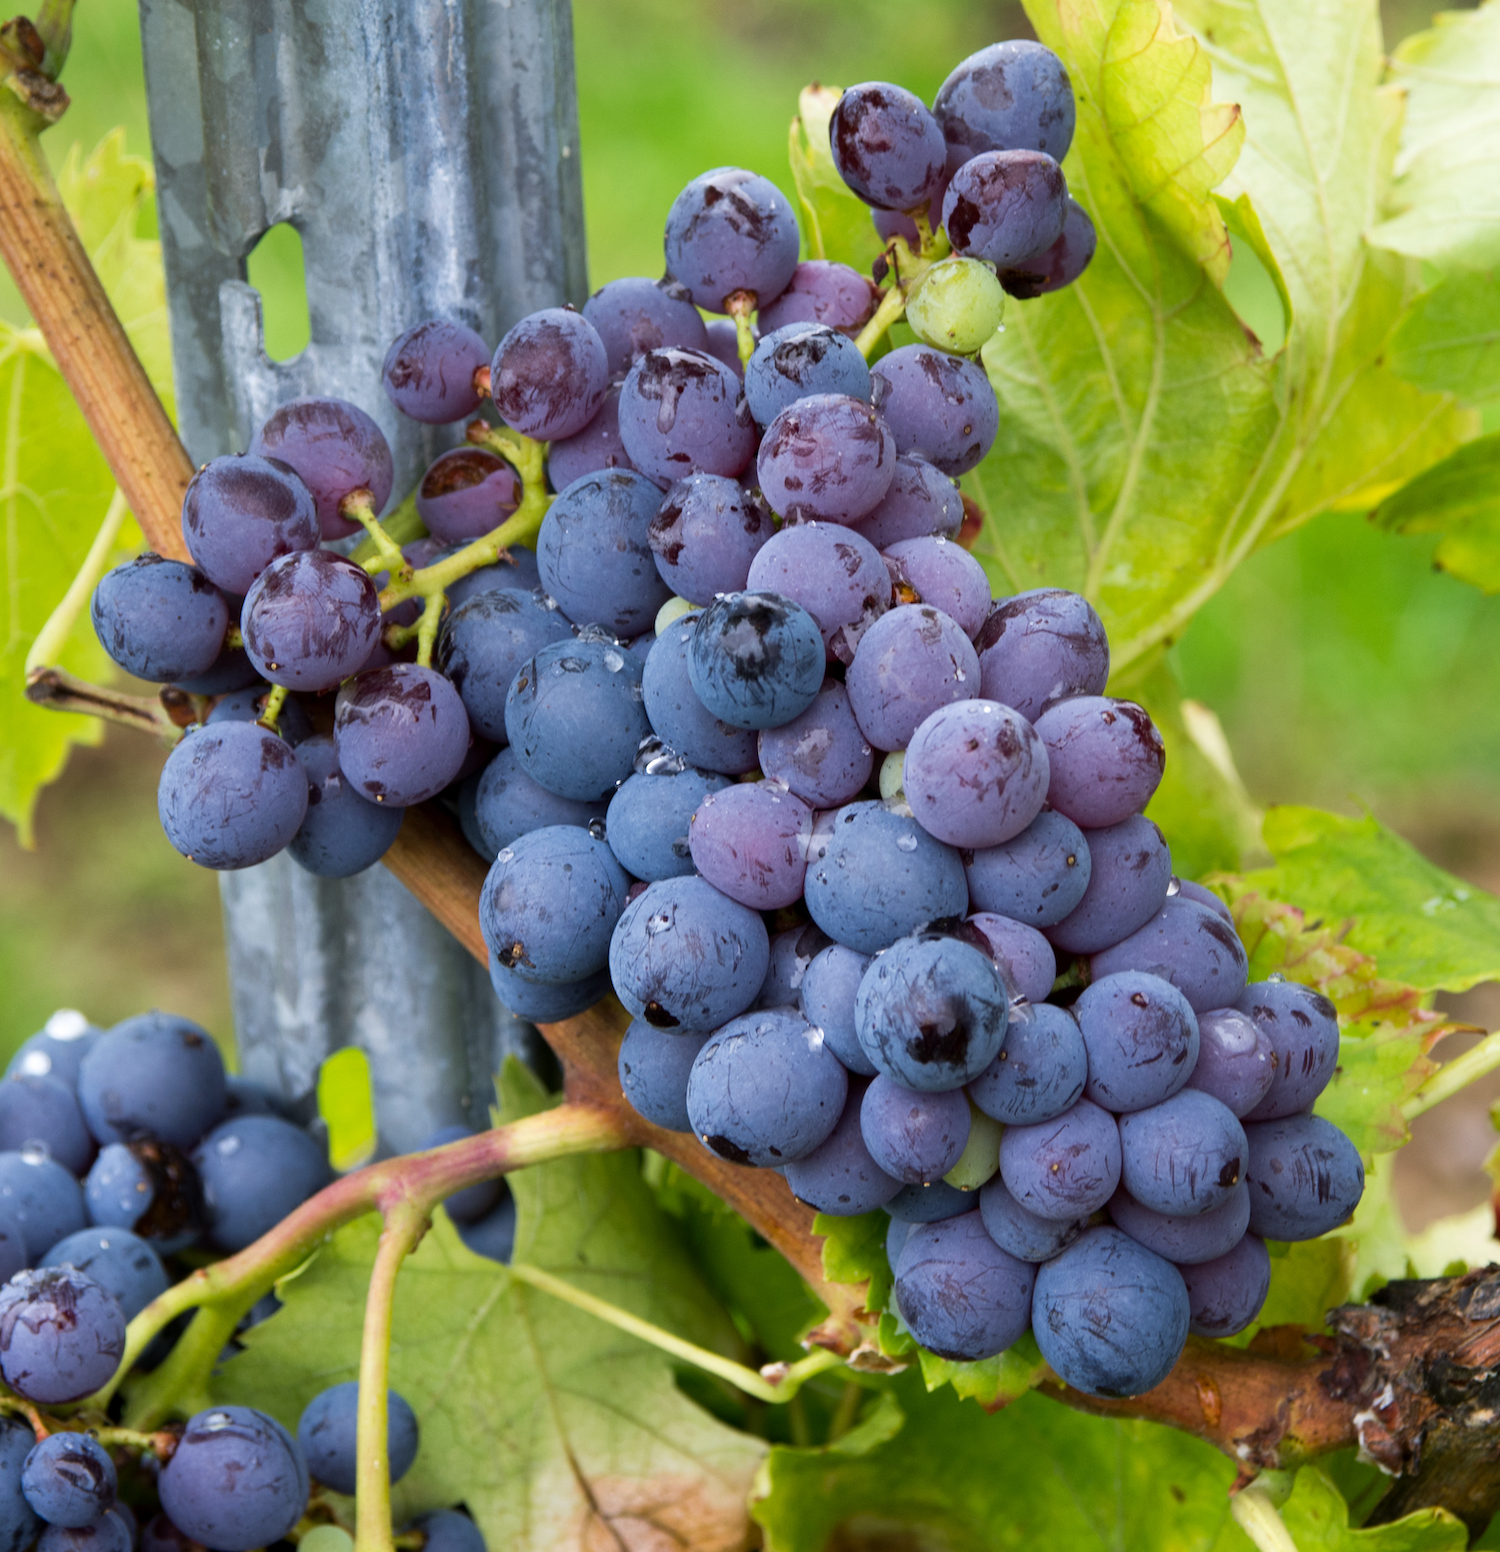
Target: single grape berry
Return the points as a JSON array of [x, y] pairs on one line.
[[19, 1524], [822, 291], [241, 512], [549, 374], [335, 448], [44, 1112], [311, 620], [1011, 96], [826, 456], [237, 1480], [957, 307], [255, 1170], [636, 314], [683, 412], [402, 733], [61, 1335], [886, 145], [1061, 264], [938, 406], [465, 493], [1106, 759], [1130, 871], [840, 1177], [1040, 647], [963, 1297], [731, 230], [756, 659], [69, 1479], [154, 1075], [1005, 206], [122, 1263], [159, 619], [342, 833], [934, 570], [327, 1429], [429, 371], [975, 774], [705, 535], [913, 1137], [800, 359]]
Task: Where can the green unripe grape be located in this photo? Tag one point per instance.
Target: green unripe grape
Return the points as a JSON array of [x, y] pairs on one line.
[[893, 775], [981, 1156], [957, 307], [672, 611]]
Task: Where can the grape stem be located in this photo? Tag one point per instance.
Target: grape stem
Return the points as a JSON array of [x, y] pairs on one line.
[[1452, 1076], [739, 305], [57, 690], [892, 306], [1255, 1512], [270, 716], [359, 507]]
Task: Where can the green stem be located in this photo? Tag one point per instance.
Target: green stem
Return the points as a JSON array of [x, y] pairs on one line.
[[226, 1289], [404, 1227], [427, 628], [892, 305], [359, 507], [1256, 1514], [53, 636], [1455, 1075], [779, 1382], [739, 305], [271, 712]]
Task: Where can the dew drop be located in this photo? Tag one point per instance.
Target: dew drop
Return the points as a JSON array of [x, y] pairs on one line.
[[1174, 886], [907, 843], [227, 1147]]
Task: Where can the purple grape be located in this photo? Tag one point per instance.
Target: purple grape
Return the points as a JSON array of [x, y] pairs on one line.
[[335, 448], [402, 733], [255, 1170], [724, 344], [827, 455], [648, 818], [960, 1294], [575, 718], [680, 719], [1236, 1060], [56, 1050], [40, 1111], [822, 291], [1226, 1294], [687, 958], [1061, 264], [731, 230], [1010, 96], [654, 1065], [975, 773], [835, 575], [597, 446], [929, 1204], [922, 502], [938, 406], [641, 645], [231, 795], [343, 833], [792, 952], [827, 997], [538, 1003], [755, 659], [1066, 1167], [1142, 1040], [237, 1480], [1304, 1031], [839, 1177], [1185, 1239], [1106, 758], [159, 619], [821, 756], [876, 875], [1130, 870], [485, 643], [886, 146], [750, 841], [1201, 896], [799, 360], [1041, 647], [682, 412], [429, 371], [1110, 1317], [1005, 206], [636, 314], [911, 662], [292, 722], [931, 1012], [1022, 953], [705, 534], [240, 513], [311, 620], [1038, 877], [231, 670], [549, 374], [40, 1202], [915, 1138], [61, 1335], [1040, 1071], [111, 1532], [1185, 1155], [594, 556], [765, 1090], [516, 568], [509, 804], [69, 1479], [466, 493], [938, 572], [550, 904], [328, 1433], [1020, 1233], [1190, 946], [153, 1076]]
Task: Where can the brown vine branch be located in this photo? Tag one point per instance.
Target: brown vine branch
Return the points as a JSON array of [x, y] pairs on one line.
[[1414, 1377]]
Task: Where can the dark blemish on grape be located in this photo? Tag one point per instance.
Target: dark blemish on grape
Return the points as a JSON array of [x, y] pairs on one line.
[[726, 1149], [1229, 1175], [460, 470], [658, 1017], [1140, 999]]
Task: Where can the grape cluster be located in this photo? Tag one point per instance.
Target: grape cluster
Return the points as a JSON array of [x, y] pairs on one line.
[[120, 1150]]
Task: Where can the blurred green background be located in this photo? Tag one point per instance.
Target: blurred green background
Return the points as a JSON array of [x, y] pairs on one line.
[[1345, 670]]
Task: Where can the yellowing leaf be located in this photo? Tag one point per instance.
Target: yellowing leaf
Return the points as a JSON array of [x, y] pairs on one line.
[[835, 222]]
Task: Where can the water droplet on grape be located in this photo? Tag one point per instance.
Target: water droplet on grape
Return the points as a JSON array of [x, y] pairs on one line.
[[35, 1152], [1174, 886], [907, 843]]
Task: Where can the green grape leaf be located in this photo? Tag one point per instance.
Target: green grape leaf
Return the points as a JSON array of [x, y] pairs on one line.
[[992, 1382], [835, 222], [1307, 1280], [1459, 499], [555, 1429], [854, 1252], [1449, 339], [1317, 1516], [1033, 1475], [54, 484], [1147, 442], [1420, 924], [1446, 198]]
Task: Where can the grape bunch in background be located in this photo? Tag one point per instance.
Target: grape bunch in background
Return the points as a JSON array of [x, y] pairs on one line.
[[122, 1151], [745, 738]]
